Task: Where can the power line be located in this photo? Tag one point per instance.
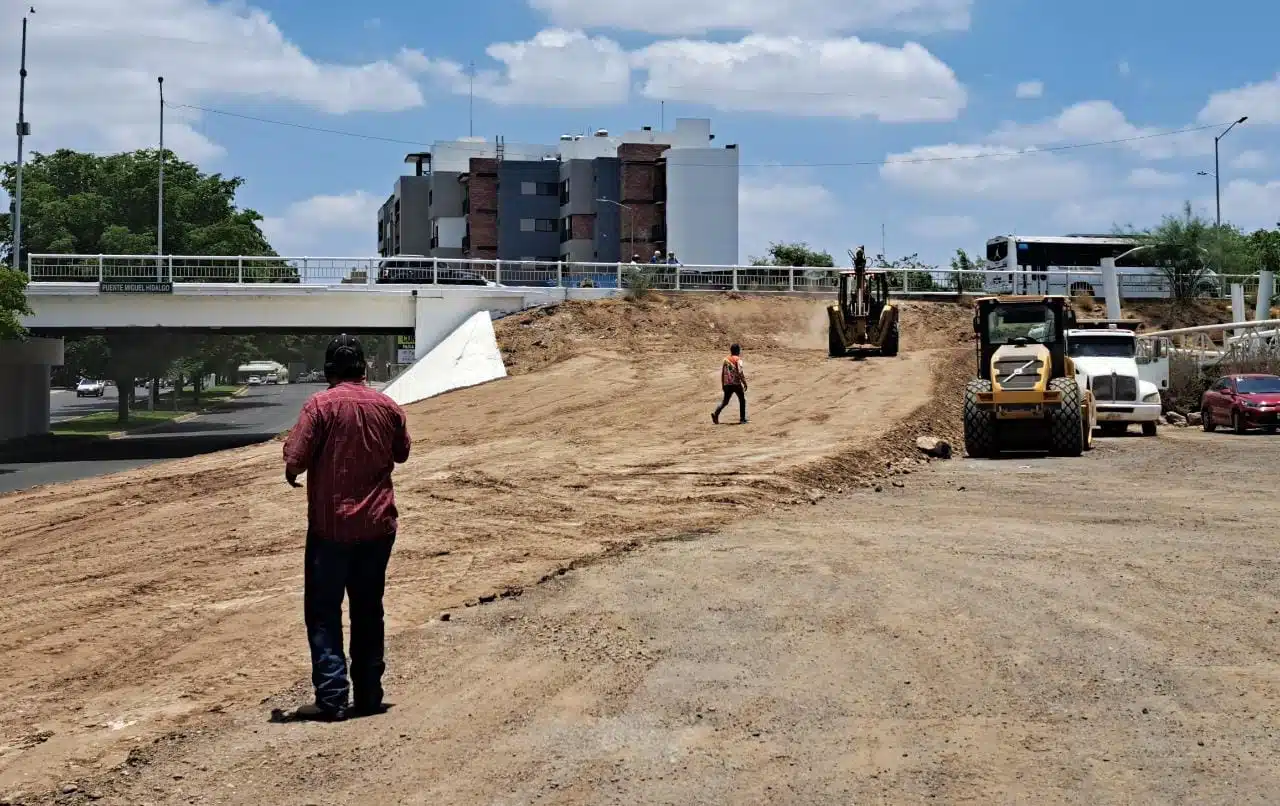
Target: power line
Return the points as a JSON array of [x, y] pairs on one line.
[[302, 126], [480, 147]]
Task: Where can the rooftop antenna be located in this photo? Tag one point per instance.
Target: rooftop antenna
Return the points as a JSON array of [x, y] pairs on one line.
[[662, 116], [471, 101]]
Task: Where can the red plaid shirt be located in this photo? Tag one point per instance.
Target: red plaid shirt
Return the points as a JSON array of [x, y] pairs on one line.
[[347, 440]]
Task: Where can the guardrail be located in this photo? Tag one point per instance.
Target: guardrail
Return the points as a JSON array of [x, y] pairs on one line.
[[378, 271]]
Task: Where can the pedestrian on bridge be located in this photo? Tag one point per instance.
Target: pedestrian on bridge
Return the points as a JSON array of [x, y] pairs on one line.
[[733, 381], [347, 441]]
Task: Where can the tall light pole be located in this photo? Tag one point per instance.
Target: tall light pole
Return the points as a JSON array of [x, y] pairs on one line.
[[1217, 183], [160, 189], [24, 130], [630, 225]]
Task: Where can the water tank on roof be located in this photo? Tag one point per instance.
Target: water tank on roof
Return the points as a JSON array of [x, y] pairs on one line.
[[602, 132], [566, 137]]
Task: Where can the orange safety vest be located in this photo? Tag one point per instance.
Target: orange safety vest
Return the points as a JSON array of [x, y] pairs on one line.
[[731, 372]]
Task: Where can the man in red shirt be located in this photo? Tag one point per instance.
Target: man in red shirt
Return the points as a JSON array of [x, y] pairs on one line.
[[733, 381], [347, 440]]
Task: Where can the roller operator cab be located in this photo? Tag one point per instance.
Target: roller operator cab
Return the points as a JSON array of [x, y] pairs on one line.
[[1027, 396], [863, 318]]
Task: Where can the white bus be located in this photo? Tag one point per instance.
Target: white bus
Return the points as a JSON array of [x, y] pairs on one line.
[[1044, 264]]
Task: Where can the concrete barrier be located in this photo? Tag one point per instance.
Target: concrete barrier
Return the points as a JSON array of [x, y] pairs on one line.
[[24, 386], [466, 357]]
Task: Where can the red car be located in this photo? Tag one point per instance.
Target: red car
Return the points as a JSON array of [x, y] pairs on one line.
[[1242, 402]]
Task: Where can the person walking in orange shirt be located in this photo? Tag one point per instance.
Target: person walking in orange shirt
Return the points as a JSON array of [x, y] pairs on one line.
[[733, 380]]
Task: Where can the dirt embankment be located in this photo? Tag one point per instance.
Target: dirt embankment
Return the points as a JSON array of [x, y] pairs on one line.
[[138, 603]]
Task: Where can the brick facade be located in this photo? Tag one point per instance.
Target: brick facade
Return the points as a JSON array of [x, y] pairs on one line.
[[582, 226], [482, 209], [643, 176]]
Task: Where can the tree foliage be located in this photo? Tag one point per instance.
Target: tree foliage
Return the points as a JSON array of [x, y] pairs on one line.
[[908, 273], [794, 254], [13, 303], [1191, 252], [79, 203], [959, 280]]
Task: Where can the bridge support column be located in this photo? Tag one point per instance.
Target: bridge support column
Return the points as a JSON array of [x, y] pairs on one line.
[[24, 386], [1237, 307], [1111, 287], [1266, 290]]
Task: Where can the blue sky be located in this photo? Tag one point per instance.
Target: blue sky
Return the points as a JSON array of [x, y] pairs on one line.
[[816, 92]]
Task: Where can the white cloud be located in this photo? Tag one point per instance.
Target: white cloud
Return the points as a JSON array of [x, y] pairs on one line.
[[93, 65], [785, 207], [811, 17], [336, 225], [1250, 160], [1251, 205], [986, 171], [1029, 89], [944, 226], [788, 75], [1151, 179], [555, 67], [1260, 101], [1100, 121]]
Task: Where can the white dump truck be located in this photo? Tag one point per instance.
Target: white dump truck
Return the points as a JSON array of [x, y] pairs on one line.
[[1107, 354]]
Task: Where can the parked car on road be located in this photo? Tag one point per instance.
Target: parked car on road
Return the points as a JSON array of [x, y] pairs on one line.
[[88, 388], [1242, 402], [254, 380]]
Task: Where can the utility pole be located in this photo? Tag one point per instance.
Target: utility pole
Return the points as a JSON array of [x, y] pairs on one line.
[[24, 130], [160, 192], [1217, 183]]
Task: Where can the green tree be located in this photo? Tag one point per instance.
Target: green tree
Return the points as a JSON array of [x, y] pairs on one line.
[[1189, 250], [794, 254], [908, 273], [962, 282], [78, 203], [13, 304]]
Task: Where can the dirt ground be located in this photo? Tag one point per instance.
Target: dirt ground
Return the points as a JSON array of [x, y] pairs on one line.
[[648, 609], [145, 601]]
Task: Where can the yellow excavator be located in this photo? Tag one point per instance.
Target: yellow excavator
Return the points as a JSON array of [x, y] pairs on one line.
[[863, 318]]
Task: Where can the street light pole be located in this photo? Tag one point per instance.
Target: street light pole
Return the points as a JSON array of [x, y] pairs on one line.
[[631, 225], [160, 191], [1217, 171], [24, 129]]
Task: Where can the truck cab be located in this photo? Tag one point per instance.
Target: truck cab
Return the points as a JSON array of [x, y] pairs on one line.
[[1106, 354]]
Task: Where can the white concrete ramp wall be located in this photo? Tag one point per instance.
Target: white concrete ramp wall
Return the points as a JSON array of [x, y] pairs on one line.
[[468, 356]]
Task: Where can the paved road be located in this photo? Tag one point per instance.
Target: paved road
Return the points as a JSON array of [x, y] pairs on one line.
[[64, 405], [258, 416]]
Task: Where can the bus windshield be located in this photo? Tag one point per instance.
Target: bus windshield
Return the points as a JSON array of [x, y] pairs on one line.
[[1101, 348], [1035, 323]]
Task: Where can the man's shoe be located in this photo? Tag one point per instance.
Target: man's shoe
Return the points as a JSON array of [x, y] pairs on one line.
[[318, 713], [743, 421], [715, 417], [368, 709]]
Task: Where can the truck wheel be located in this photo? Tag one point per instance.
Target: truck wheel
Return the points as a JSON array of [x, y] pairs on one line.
[[1066, 427], [1149, 429], [979, 423], [835, 347], [891, 342]]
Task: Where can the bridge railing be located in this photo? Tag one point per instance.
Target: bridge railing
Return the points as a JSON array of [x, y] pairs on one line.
[[453, 272]]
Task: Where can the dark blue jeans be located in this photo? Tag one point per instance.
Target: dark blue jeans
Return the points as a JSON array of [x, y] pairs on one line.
[[359, 570]]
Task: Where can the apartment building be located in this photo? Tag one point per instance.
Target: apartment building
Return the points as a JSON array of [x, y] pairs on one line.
[[590, 198]]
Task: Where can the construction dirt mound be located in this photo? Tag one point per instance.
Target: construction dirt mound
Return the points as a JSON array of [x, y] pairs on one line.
[[145, 602]]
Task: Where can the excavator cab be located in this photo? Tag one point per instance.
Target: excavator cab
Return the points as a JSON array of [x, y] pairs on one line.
[[863, 317]]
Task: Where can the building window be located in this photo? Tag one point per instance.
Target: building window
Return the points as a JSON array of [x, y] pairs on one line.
[[528, 188], [543, 225], [564, 191], [547, 189], [527, 224]]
